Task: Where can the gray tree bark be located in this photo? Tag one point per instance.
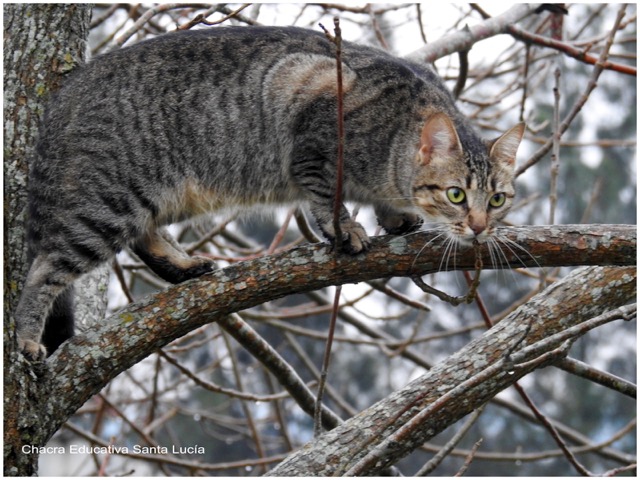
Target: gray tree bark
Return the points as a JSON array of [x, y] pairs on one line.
[[42, 42], [534, 336]]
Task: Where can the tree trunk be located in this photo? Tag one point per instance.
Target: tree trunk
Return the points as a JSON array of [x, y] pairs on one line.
[[42, 42]]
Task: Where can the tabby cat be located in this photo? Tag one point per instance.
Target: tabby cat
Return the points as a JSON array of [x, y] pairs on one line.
[[195, 121]]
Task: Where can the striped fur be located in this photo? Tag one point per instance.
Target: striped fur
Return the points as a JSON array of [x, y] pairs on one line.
[[195, 121]]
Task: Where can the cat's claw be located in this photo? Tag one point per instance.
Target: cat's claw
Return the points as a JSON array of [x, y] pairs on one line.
[[33, 351], [401, 224], [354, 238], [200, 266]]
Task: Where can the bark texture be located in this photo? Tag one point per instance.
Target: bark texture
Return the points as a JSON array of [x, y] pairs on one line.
[[86, 363], [382, 434], [464, 39], [42, 42]]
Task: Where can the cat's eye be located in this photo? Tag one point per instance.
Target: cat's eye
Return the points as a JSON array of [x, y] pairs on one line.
[[456, 195], [497, 200]]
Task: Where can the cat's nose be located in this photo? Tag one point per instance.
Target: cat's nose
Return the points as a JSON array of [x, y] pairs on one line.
[[477, 229], [477, 224]]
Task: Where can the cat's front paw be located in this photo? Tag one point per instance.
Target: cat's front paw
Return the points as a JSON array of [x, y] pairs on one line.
[[198, 266], [33, 351], [354, 238], [401, 224]]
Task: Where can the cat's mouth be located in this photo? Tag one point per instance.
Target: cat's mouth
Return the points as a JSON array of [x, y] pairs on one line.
[[466, 236], [470, 240], [460, 234]]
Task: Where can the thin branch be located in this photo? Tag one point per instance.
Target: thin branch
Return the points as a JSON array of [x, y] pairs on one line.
[[554, 433], [546, 454], [573, 52], [248, 414], [577, 106], [469, 459], [555, 146], [473, 285], [432, 464], [212, 387], [581, 369], [202, 17]]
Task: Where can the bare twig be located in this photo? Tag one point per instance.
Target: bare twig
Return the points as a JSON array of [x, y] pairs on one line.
[[593, 81], [555, 155], [463, 57], [212, 387], [248, 414], [431, 465], [554, 433], [469, 459], [337, 207], [565, 48], [325, 362], [202, 17], [473, 287]]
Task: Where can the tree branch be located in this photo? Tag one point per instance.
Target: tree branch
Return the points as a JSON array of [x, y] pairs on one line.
[[569, 50], [86, 363], [464, 39], [385, 432]]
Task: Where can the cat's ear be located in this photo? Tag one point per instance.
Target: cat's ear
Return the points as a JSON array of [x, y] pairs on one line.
[[504, 148], [439, 139]]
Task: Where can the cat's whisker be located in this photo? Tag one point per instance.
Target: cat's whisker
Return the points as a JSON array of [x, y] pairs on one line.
[[490, 248], [500, 259], [494, 259], [446, 254], [507, 242], [442, 232], [500, 241]]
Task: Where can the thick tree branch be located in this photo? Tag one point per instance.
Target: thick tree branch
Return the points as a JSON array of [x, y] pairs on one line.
[[382, 434], [87, 362]]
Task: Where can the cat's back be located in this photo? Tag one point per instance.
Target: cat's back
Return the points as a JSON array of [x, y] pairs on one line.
[[191, 56], [183, 101], [216, 57], [190, 81], [177, 81]]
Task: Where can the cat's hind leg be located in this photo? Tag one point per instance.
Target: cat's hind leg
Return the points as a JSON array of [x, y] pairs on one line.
[[47, 294], [160, 251]]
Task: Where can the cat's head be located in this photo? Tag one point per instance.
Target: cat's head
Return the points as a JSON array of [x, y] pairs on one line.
[[465, 190]]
